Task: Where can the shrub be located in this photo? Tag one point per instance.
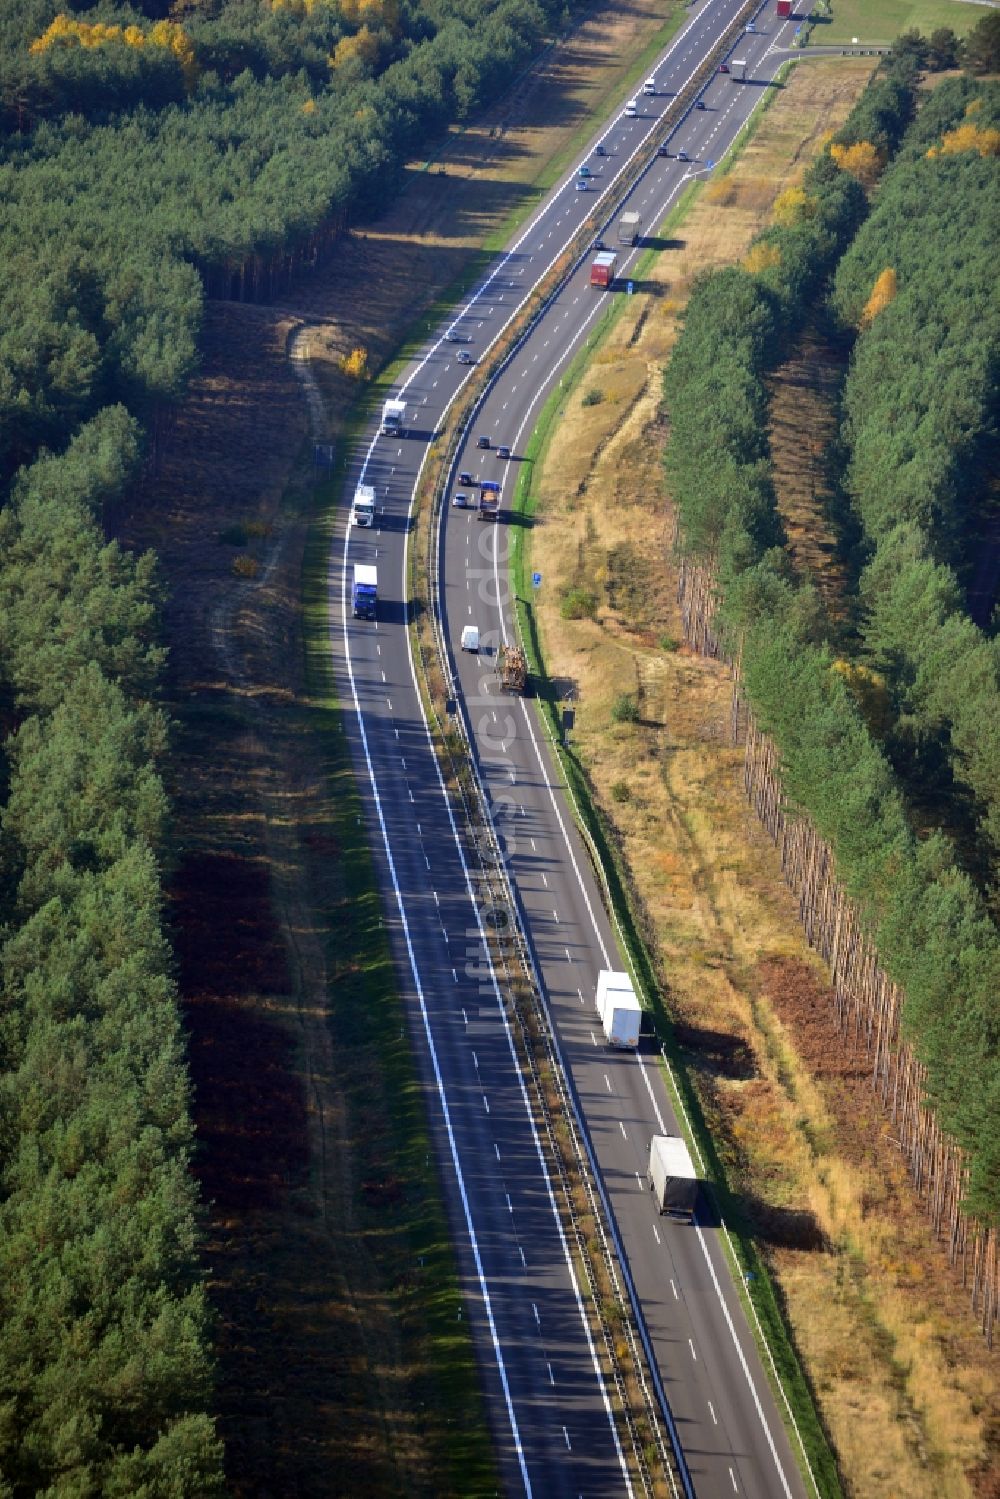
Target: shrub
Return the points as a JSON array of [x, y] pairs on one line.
[[593, 397], [621, 791], [668, 643], [578, 603], [246, 567], [625, 708]]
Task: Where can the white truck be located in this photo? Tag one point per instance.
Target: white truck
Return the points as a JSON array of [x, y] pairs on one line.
[[738, 70], [629, 226], [619, 1009], [672, 1178], [363, 509], [393, 418]]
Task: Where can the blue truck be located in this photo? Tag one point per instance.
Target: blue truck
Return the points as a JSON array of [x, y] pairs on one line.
[[365, 591]]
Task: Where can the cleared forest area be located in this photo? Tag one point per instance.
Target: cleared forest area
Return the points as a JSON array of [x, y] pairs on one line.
[[903, 1377]]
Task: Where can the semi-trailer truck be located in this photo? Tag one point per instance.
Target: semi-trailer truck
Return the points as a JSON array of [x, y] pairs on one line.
[[364, 593], [602, 270], [363, 509], [489, 500], [672, 1178], [393, 418], [619, 1009], [738, 69], [628, 228]]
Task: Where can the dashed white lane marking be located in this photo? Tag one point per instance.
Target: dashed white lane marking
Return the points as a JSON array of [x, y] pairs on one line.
[[693, 1354], [674, 1289], [711, 1412], [524, 1262], [569, 956], [545, 880], [733, 1478], [622, 1128], [555, 916], [454, 975], [486, 1103], [475, 1061], [656, 1233], [552, 1379], [570, 1449], [593, 1038], [537, 1317], [638, 1182], [497, 1149], [580, 992], [510, 1205], [436, 900], [607, 1082]]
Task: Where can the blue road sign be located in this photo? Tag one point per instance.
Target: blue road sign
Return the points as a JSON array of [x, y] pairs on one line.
[[631, 287], [709, 165], [536, 580], [323, 455]]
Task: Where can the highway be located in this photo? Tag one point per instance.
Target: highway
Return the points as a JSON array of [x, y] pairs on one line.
[[549, 1407]]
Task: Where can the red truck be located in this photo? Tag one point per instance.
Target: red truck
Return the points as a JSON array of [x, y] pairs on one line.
[[784, 8], [602, 272]]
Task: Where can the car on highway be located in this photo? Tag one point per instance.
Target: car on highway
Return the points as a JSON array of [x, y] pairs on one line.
[[482, 442], [599, 149], [451, 337], [723, 67], [663, 150], [599, 245], [581, 184], [683, 156], [462, 502], [583, 171], [503, 452], [466, 478], [699, 104], [632, 109], [751, 29], [464, 357], [649, 88]]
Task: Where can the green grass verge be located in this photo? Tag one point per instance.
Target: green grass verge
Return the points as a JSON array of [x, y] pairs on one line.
[[750, 1270], [880, 21], [408, 1230]]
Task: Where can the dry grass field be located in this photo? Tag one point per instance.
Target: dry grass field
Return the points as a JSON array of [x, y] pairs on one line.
[[905, 1384]]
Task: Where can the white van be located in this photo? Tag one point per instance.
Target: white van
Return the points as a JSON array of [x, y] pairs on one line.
[[631, 109], [470, 638], [649, 88]]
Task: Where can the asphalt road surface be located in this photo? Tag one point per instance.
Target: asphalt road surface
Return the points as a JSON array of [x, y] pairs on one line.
[[549, 1407]]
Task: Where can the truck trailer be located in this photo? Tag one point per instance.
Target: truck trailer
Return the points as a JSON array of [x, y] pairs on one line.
[[364, 592], [619, 1009], [393, 418], [363, 509], [629, 226], [489, 500], [672, 1178], [738, 69], [784, 9], [602, 270]]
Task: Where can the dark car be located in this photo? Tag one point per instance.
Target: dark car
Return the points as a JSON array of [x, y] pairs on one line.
[[723, 67], [461, 502], [503, 452], [683, 156], [699, 104], [465, 478], [598, 149], [482, 442], [662, 151], [599, 244]]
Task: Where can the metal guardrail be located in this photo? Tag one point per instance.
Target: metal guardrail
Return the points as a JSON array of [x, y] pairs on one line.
[[498, 892]]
